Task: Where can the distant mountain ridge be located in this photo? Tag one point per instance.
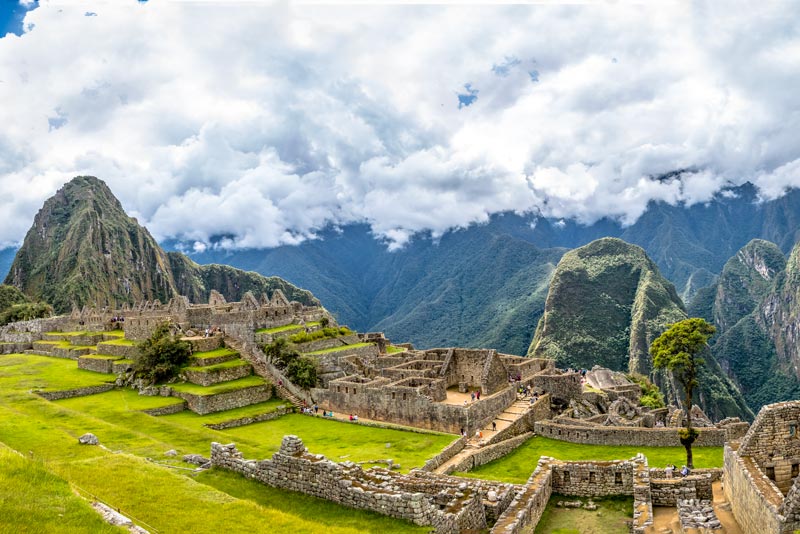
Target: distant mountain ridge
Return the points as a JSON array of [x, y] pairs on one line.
[[83, 249]]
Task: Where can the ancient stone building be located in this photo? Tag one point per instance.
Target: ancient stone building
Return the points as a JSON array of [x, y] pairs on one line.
[[761, 471]]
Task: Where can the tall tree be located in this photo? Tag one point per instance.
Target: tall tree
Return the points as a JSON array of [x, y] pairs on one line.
[[678, 350]]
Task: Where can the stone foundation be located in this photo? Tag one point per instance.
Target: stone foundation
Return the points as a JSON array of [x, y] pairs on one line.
[[98, 365], [70, 393], [215, 376]]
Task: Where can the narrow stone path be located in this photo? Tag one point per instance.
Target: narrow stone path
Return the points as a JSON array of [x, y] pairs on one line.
[[503, 420]]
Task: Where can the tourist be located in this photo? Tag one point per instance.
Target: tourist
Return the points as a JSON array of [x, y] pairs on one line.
[[351, 417], [472, 396], [478, 394], [355, 418], [494, 426], [316, 409], [462, 431], [669, 470], [685, 471]]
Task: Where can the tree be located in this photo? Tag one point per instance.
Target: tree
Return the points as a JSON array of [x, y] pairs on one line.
[[303, 372], [161, 355], [677, 350]]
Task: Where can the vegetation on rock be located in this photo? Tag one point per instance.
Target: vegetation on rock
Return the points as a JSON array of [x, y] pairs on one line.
[[15, 306], [161, 355]]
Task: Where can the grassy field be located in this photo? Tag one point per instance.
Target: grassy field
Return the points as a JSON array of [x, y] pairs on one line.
[[133, 474], [609, 518], [337, 349], [214, 353], [517, 466]]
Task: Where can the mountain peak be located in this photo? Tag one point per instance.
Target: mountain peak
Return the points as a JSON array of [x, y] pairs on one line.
[[83, 249]]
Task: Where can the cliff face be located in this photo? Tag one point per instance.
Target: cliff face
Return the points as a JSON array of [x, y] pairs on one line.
[[84, 249], [607, 303]]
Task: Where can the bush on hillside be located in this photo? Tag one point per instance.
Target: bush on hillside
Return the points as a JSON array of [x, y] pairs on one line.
[[302, 371], [323, 333], [161, 355], [25, 312], [651, 394]]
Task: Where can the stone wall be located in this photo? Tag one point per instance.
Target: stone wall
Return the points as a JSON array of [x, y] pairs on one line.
[[329, 343], [754, 498], [668, 491], [242, 421], [98, 365], [28, 331], [204, 404], [448, 452], [773, 442], [593, 479], [448, 506], [562, 386], [527, 507], [209, 377], [612, 435], [70, 393], [166, 410], [205, 344], [538, 411], [14, 347], [385, 401], [128, 352]]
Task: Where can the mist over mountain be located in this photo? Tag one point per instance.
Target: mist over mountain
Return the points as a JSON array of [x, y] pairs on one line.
[[405, 292]]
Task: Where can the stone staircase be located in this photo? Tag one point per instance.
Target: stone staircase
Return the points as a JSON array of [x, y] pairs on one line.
[[255, 357], [503, 420]]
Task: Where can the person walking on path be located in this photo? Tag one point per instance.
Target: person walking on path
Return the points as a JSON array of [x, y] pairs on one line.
[[494, 426]]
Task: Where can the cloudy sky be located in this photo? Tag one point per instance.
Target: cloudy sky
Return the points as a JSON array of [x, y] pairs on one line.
[[267, 122]]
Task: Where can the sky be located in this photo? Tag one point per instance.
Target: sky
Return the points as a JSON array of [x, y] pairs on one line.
[[266, 122]]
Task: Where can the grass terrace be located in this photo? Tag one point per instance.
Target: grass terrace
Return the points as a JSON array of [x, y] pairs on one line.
[[222, 387], [391, 349], [610, 517], [121, 341], [286, 328], [25, 372], [219, 366], [338, 349], [518, 465], [100, 357], [216, 353]]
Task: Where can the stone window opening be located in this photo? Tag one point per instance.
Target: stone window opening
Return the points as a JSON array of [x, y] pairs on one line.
[[566, 477], [347, 390], [404, 396], [338, 389], [354, 391], [592, 477], [792, 430], [771, 473], [795, 470], [393, 395], [617, 478]]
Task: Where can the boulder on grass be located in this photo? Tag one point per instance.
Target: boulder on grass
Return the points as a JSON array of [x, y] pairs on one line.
[[88, 439]]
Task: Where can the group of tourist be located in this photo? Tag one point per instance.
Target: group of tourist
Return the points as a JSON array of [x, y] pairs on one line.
[[118, 319], [353, 418], [212, 331], [669, 471]]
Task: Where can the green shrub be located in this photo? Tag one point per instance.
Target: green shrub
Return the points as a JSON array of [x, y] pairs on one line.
[[323, 333], [651, 394], [161, 355], [25, 312], [302, 371]]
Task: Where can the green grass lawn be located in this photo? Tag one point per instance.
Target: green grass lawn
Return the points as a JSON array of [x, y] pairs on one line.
[[279, 329], [517, 466], [121, 341], [168, 499], [609, 518], [341, 441], [23, 372], [32, 499], [222, 387], [216, 353], [391, 349], [337, 349]]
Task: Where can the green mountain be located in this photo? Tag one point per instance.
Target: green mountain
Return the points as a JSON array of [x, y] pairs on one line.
[[84, 249], [607, 302], [755, 308]]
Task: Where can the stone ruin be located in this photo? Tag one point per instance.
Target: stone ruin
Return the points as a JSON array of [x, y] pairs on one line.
[[761, 471], [416, 387]]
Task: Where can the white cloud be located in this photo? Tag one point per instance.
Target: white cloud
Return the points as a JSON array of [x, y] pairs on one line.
[[264, 123]]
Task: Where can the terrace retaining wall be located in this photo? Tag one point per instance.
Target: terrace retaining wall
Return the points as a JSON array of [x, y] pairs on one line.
[[204, 404], [617, 435], [78, 392]]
